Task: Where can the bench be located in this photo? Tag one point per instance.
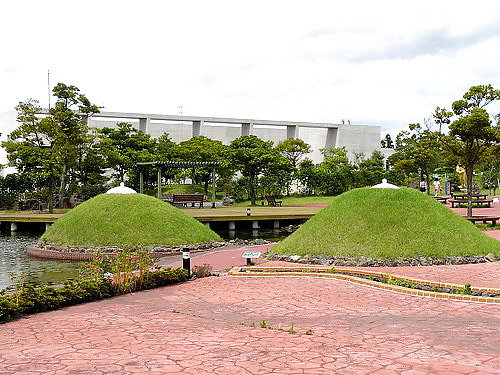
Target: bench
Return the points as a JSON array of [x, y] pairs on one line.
[[184, 199], [167, 197], [271, 201], [484, 219], [486, 202], [441, 199]]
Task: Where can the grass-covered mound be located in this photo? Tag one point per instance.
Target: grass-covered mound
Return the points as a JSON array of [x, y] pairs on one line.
[[386, 223], [126, 220]]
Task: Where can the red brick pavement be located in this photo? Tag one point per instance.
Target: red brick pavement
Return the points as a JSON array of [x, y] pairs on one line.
[[212, 326]]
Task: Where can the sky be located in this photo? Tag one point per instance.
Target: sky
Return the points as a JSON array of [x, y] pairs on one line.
[[384, 63]]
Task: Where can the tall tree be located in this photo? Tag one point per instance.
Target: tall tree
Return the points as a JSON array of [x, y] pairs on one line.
[[417, 151], [251, 155], [471, 132], [201, 149], [69, 116], [387, 142], [125, 146]]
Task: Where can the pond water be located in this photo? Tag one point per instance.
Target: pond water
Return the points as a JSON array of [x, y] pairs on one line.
[[14, 259]]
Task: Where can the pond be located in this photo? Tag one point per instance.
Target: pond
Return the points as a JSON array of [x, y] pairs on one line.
[[14, 259]]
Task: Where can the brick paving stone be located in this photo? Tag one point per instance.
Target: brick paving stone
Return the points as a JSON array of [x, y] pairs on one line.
[[212, 326]]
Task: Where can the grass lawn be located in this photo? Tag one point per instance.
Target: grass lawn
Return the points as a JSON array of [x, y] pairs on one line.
[[385, 223], [294, 201], [127, 220]]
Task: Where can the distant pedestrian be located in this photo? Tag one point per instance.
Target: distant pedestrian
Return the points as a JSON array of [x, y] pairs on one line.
[[437, 187], [423, 186]]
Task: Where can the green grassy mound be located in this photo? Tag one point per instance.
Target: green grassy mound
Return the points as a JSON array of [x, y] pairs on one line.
[[386, 223], [126, 219]]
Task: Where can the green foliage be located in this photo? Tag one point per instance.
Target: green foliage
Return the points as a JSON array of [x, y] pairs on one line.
[[123, 147], [127, 220], [56, 146], [386, 223], [471, 135], [253, 156], [29, 299]]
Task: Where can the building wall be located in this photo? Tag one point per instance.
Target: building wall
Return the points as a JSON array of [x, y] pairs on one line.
[[355, 138]]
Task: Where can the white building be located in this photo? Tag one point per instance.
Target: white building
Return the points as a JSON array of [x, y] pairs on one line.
[[355, 138]]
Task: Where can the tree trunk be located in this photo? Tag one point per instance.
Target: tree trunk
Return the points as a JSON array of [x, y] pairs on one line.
[[62, 187], [469, 172], [252, 189]]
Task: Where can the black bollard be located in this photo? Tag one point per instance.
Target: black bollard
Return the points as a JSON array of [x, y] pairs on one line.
[[186, 260]]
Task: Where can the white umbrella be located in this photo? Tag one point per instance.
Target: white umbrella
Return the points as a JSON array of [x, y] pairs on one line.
[[385, 185], [122, 189]]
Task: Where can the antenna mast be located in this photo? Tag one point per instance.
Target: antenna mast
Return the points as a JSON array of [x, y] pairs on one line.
[[48, 85]]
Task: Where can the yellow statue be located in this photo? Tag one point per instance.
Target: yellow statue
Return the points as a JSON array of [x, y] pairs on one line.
[[461, 175]]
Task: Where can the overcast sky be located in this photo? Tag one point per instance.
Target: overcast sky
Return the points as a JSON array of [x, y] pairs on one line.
[[387, 63]]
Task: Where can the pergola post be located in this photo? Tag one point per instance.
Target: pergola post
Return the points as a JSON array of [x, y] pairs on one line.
[[159, 182], [141, 181], [213, 187]]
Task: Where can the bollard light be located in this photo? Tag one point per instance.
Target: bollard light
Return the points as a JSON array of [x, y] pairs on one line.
[[186, 260], [249, 211]]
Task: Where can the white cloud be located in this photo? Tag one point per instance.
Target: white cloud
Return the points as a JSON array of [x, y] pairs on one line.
[[385, 63]]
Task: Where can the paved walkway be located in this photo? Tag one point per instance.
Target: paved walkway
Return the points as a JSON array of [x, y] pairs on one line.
[[213, 326]]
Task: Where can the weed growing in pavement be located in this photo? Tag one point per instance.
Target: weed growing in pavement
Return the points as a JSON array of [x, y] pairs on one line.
[[309, 332], [292, 331], [466, 290]]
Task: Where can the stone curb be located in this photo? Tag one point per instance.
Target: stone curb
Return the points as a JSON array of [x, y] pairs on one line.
[[316, 272], [61, 255]]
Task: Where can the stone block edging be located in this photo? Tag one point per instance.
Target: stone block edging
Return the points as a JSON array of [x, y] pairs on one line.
[[74, 256], [317, 272]]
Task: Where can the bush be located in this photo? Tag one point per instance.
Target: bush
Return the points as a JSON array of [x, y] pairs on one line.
[[29, 298]]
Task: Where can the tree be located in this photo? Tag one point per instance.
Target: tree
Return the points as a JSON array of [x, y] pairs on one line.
[[125, 146], [69, 116], [293, 149], [370, 171], [251, 155], [387, 142], [201, 149], [471, 135], [417, 151], [335, 173]]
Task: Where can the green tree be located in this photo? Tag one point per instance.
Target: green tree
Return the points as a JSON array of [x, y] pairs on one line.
[[69, 116], [47, 147], [293, 149], [252, 156], [417, 151], [370, 171], [125, 146], [387, 142], [201, 149], [335, 172], [471, 133]]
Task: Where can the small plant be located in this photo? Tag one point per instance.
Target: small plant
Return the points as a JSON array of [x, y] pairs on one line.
[[309, 332], [291, 330], [204, 270], [331, 270], [263, 324], [466, 290]]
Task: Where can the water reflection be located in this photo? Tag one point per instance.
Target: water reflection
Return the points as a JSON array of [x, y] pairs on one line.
[[15, 260]]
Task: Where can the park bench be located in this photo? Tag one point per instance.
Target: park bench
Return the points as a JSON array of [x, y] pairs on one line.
[[441, 199], [486, 202], [271, 201], [484, 219], [185, 199], [167, 197]]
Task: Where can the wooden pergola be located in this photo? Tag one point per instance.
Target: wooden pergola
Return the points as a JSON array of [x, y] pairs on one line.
[[175, 164]]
